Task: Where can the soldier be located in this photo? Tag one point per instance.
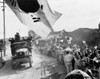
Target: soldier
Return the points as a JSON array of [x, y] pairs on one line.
[[17, 37], [11, 40], [68, 57]]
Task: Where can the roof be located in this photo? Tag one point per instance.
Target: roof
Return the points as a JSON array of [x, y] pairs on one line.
[[57, 33]]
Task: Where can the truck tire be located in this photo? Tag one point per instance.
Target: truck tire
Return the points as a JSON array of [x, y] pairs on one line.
[[30, 64], [13, 66]]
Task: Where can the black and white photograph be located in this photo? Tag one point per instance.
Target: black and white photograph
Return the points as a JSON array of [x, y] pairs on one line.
[[49, 39]]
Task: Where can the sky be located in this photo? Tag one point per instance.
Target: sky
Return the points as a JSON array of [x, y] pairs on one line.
[[75, 14]]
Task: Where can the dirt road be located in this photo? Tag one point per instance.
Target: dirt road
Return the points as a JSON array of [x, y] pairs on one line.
[[43, 66]]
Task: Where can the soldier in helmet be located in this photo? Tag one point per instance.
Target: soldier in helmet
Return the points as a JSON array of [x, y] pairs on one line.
[[17, 37]]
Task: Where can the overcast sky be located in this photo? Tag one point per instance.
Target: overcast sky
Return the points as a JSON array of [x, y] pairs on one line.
[[76, 14]]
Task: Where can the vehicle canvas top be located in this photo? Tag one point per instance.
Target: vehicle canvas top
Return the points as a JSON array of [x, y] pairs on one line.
[[19, 45]]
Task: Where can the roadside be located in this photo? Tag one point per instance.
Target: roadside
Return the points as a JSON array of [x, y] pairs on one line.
[[50, 68], [43, 67]]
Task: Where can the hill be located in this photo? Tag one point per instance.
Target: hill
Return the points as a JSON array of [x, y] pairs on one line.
[[91, 36]]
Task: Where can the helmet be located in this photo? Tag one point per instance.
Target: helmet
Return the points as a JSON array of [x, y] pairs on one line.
[[68, 49], [95, 47]]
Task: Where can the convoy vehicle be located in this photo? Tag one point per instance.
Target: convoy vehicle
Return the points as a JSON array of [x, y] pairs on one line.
[[21, 53]]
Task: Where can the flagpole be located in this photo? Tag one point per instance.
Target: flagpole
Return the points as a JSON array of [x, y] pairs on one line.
[[4, 29]]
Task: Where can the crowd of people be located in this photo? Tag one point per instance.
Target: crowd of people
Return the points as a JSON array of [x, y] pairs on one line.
[[83, 57], [74, 56]]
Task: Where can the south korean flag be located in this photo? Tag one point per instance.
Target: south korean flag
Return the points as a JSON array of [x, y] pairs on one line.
[[36, 14]]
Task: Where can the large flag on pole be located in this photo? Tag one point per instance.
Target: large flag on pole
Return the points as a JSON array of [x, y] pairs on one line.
[[36, 14]]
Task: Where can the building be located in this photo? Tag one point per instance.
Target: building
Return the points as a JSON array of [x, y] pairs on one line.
[[57, 33]]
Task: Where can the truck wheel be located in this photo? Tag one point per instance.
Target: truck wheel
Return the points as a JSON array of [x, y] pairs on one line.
[[13, 66], [30, 64]]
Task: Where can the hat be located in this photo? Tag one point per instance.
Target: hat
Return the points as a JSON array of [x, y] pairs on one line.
[[77, 72], [68, 49], [95, 47]]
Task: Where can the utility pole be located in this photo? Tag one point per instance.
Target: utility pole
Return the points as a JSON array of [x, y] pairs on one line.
[[4, 29]]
